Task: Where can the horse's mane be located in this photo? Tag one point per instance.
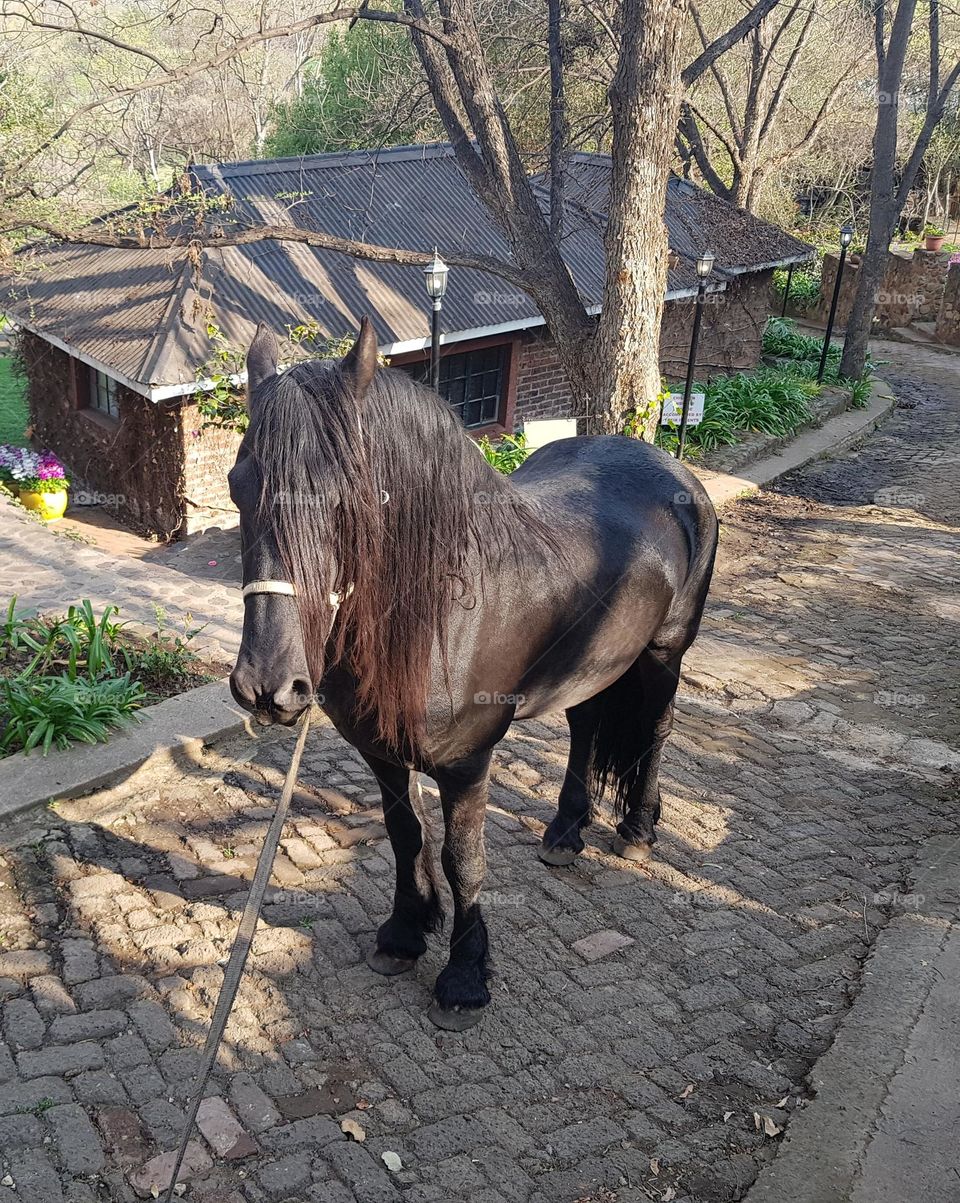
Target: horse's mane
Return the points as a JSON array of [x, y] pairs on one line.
[[390, 492]]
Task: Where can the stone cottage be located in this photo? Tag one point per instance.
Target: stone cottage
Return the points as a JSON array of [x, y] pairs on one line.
[[116, 343]]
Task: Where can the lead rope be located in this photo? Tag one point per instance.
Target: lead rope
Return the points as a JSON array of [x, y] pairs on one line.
[[241, 948]]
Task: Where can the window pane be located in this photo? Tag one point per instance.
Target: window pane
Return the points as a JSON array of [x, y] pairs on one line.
[[471, 382]]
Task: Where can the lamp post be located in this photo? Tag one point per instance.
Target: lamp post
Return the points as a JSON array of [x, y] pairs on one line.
[[435, 278], [704, 268], [846, 237], [786, 291]]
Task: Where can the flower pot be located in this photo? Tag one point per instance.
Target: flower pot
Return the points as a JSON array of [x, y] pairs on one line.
[[931, 243], [48, 506]]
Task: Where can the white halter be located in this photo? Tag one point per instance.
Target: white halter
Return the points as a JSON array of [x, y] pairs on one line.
[[287, 590]]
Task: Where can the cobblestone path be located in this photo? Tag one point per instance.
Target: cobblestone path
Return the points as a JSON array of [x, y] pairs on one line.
[[49, 572], [653, 1026]]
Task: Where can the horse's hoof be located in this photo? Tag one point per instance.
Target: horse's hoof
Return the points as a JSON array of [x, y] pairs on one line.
[[383, 963], [557, 856], [456, 1019], [634, 852]]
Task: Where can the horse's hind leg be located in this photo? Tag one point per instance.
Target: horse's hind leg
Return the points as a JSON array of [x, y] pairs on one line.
[[655, 677], [561, 841], [416, 904]]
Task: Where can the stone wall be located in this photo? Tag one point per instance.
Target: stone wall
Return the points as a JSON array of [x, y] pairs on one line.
[[948, 317], [911, 291]]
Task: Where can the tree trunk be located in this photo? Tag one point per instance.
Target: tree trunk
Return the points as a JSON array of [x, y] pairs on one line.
[[645, 104], [884, 209]]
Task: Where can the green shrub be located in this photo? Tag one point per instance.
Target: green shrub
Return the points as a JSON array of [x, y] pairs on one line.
[[771, 400], [805, 287], [506, 455], [45, 712], [782, 340]]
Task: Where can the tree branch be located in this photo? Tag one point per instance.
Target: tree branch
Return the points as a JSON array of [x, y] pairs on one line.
[[736, 33]]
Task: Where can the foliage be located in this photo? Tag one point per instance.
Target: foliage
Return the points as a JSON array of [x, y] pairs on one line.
[[37, 472], [931, 231], [47, 712], [337, 109], [79, 676], [805, 287], [168, 656], [507, 454], [774, 401], [636, 421], [783, 340], [221, 400]]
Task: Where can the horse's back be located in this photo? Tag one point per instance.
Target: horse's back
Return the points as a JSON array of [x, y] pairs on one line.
[[612, 483]]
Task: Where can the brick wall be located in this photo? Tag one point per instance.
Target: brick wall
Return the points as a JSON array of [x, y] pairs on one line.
[[208, 457], [731, 337], [543, 390], [154, 467], [133, 465]]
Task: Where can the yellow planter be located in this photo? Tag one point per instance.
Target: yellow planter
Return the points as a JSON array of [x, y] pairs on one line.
[[48, 506]]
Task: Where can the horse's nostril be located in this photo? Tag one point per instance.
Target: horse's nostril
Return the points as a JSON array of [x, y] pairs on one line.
[[242, 689], [294, 696]]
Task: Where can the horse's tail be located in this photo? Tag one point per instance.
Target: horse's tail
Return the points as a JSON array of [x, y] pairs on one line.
[[616, 754], [635, 713]]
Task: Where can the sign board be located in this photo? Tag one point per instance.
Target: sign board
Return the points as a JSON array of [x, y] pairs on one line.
[[673, 409], [547, 430]]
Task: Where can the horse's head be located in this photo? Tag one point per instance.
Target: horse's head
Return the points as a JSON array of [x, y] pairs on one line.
[[288, 482]]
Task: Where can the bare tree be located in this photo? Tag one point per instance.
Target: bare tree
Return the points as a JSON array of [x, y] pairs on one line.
[[613, 366], [749, 135], [888, 190]]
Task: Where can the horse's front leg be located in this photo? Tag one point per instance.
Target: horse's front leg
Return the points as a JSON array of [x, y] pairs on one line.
[[461, 989], [416, 904]]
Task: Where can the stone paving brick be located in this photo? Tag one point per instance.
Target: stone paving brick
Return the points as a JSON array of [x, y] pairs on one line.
[[284, 1177], [222, 1131], [114, 991], [50, 996], [90, 1025], [23, 1025], [24, 965], [35, 1178], [153, 1024], [76, 1139], [56, 1061], [155, 1175]]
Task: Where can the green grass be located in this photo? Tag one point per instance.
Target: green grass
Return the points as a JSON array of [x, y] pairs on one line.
[[14, 412]]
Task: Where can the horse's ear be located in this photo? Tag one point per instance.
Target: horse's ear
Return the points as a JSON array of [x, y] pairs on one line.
[[261, 358], [360, 362]]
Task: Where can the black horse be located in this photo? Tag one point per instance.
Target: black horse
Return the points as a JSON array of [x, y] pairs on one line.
[[431, 601]]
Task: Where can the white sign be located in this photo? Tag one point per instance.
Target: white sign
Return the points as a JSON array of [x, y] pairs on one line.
[[547, 430], [673, 409]]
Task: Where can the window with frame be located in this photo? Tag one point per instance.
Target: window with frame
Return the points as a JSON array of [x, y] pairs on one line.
[[102, 395], [473, 383]]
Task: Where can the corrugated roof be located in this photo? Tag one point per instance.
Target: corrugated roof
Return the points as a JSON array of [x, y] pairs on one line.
[[143, 314]]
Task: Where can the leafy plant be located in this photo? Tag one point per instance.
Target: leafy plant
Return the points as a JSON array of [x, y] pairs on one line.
[[45, 712], [771, 400], [506, 455], [805, 288], [167, 656], [931, 231]]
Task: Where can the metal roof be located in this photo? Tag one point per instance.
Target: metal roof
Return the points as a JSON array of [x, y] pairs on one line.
[[142, 314]]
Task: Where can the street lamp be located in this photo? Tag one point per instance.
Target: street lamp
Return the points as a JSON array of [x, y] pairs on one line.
[[435, 278], [846, 237], [704, 268]]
